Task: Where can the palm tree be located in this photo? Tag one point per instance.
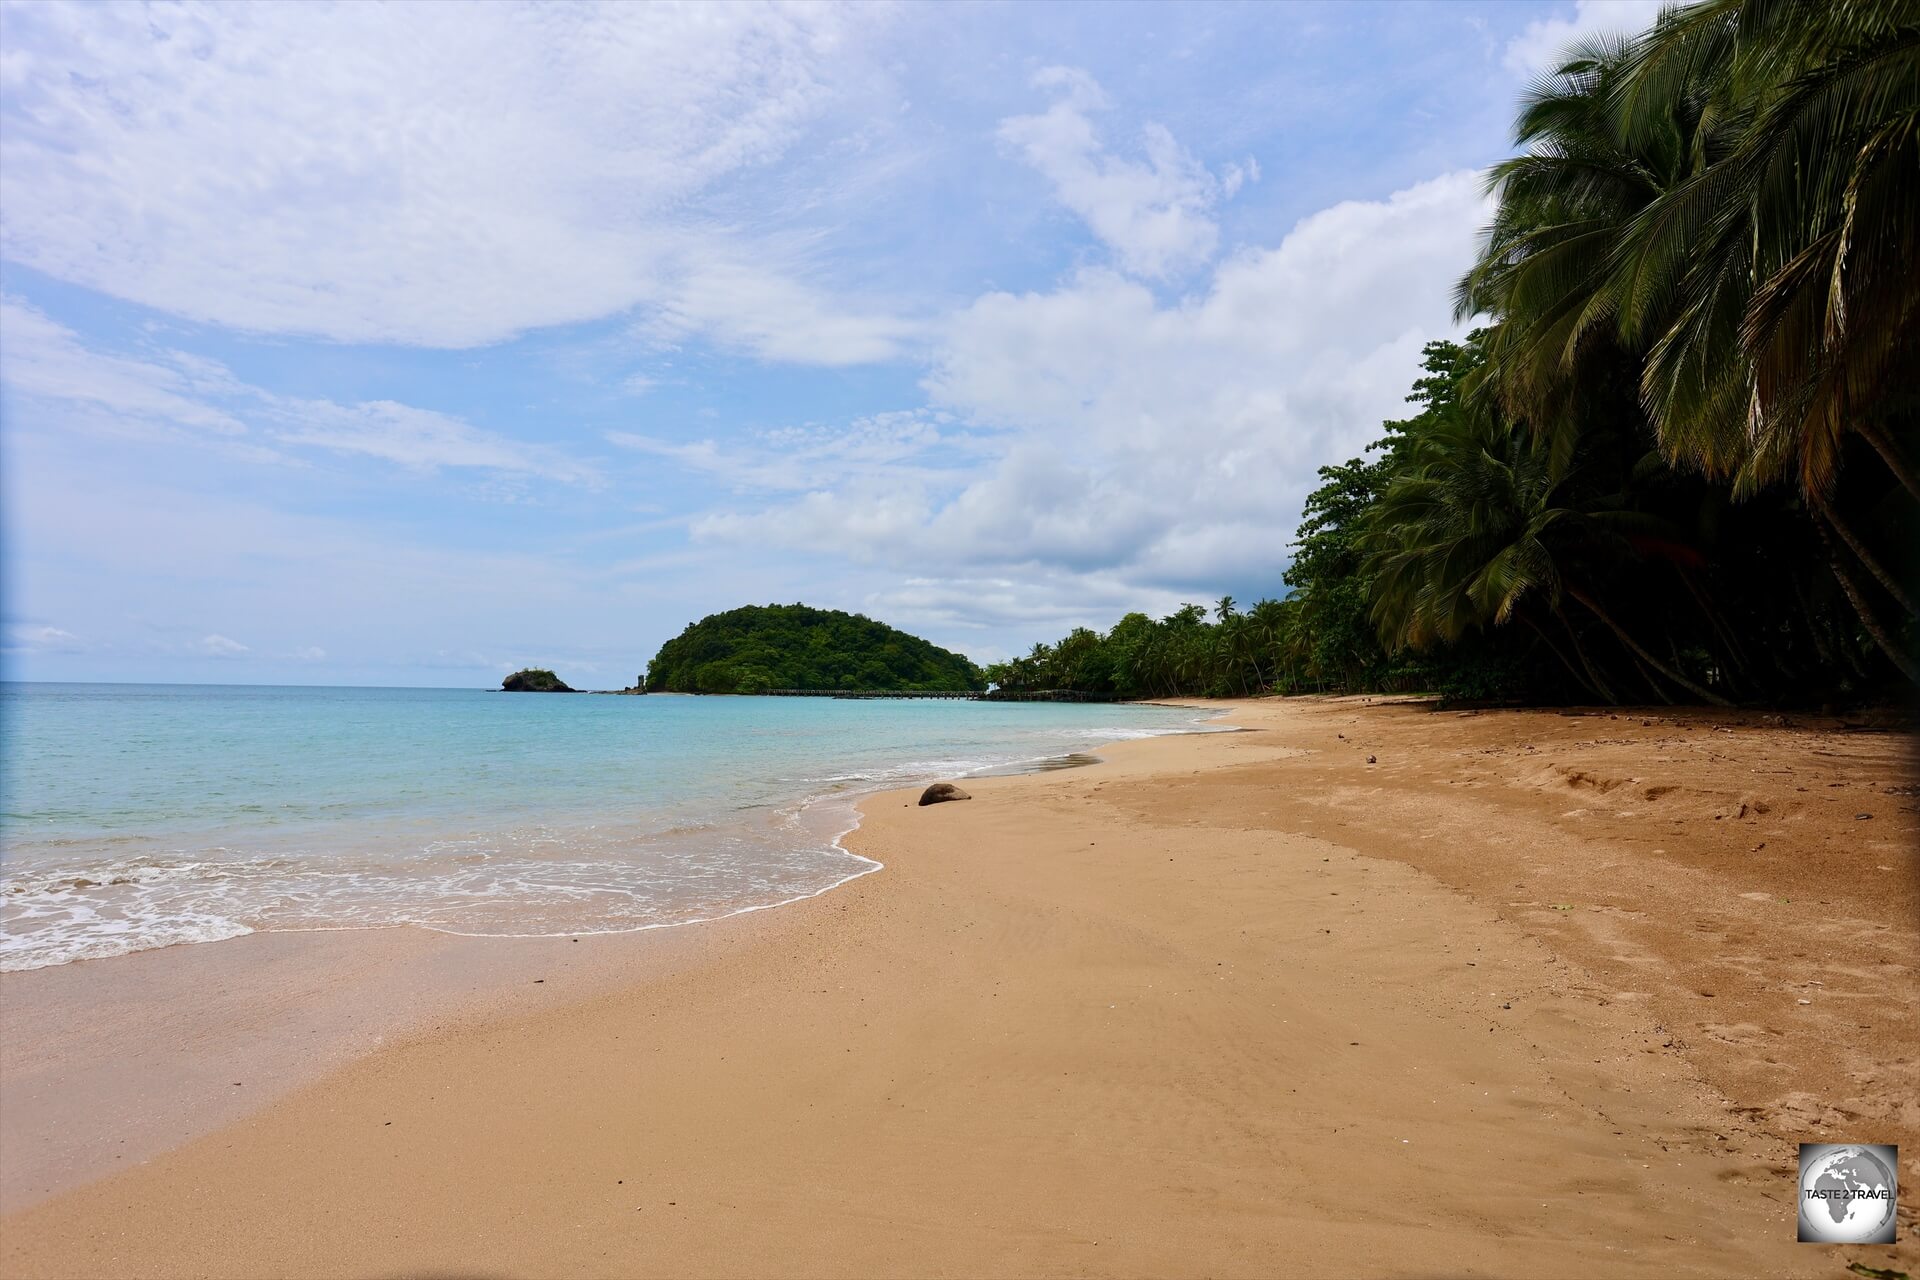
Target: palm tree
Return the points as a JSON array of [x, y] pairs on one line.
[[1798, 247], [1476, 532], [1551, 268], [1726, 204], [1268, 621]]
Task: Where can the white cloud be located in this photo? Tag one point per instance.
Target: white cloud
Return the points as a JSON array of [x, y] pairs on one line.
[[907, 446], [1539, 47], [772, 316], [1155, 212], [1036, 601], [174, 394], [219, 646], [1165, 444], [422, 439], [437, 174], [24, 637], [40, 357]]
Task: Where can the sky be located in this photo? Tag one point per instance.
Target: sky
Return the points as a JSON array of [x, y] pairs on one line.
[[408, 345]]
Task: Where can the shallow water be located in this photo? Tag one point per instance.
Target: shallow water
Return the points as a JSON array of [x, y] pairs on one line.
[[138, 816]]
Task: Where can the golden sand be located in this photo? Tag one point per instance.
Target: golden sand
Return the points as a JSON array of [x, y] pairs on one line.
[[1527, 995]]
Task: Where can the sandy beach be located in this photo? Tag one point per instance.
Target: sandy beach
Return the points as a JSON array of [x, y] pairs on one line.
[[1367, 988]]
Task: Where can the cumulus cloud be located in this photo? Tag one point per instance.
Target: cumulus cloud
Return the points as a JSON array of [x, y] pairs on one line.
[[175, 394], [1540, 45], [440, 174], [1168, 444], [971, 611], [1154, 212]]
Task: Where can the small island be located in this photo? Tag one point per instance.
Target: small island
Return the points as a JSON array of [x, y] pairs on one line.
[[535, 680], [760, 649]]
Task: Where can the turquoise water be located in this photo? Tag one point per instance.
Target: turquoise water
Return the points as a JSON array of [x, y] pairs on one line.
[[138, 816]]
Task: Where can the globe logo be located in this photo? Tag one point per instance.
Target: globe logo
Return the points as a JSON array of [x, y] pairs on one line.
[[1848, 1194]]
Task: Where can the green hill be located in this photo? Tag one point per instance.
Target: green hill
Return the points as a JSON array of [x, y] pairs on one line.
[[789, 646], [535, 680]]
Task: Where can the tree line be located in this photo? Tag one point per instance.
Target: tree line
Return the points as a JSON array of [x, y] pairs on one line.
[[1676, 461], [791, 646]]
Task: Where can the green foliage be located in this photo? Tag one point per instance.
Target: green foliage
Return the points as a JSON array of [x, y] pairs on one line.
[[1678, 462], [534, 680], [1711, 236], [790, 646]]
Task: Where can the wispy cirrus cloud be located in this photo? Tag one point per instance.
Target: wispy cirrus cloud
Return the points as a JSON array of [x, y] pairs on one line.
[[902, 447], [33, 637], [422, 439], [190, 397], [40, 357], [359, 173]]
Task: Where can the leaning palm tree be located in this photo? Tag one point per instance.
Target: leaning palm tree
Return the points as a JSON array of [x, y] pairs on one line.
[[1476, 531], [1551, 269], [1799, 249], [1801, 264], [1730, 204]]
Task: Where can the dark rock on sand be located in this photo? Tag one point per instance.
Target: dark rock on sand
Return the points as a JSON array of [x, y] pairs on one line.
[[940, 791]]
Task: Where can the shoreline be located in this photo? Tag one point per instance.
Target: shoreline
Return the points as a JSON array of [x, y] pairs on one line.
[[1005, 865], [789, 809], [82, 1115]]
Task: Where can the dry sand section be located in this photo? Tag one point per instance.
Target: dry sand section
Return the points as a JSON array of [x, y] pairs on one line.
[[1531, 995]]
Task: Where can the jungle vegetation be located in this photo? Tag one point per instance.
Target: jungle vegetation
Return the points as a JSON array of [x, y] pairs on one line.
[[1677, 461], [790, 646]]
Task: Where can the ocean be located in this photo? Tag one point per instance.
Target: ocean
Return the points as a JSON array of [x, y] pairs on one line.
[[140, 816]]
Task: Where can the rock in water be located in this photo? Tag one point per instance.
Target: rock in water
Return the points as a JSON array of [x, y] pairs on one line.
[[535, 680], [940, 791]]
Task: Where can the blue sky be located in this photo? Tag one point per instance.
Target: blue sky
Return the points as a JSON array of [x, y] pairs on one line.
[[408, 345]]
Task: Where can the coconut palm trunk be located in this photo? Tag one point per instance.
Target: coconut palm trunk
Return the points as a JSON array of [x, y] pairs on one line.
[[1697, 690], [1890, 455], [1865, 556], [1567, 662], [1899, 657]]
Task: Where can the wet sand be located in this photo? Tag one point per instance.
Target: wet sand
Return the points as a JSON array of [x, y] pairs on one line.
[[1528, 994]]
